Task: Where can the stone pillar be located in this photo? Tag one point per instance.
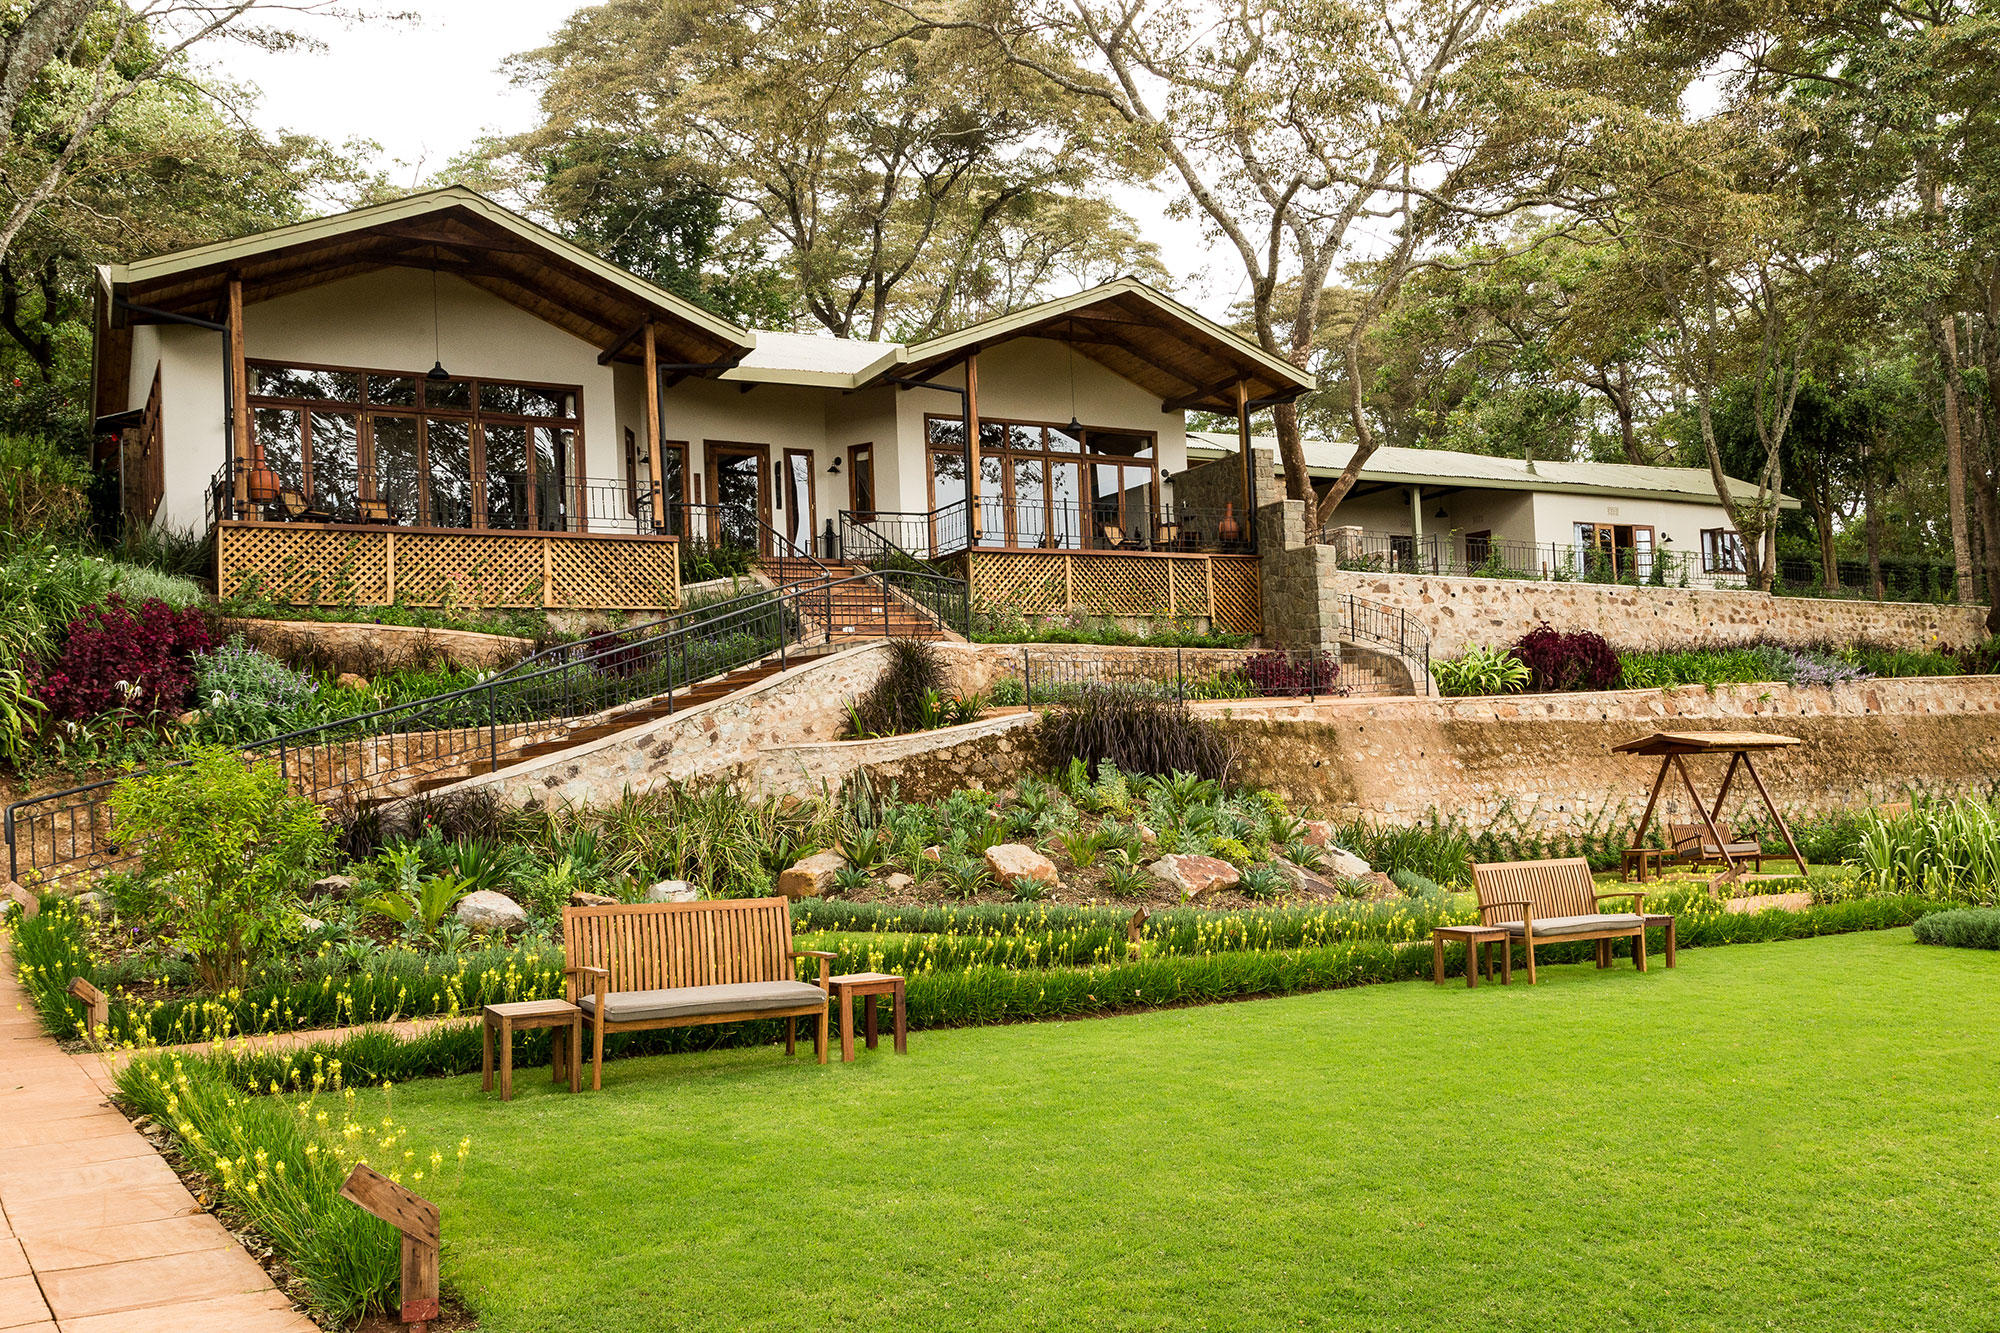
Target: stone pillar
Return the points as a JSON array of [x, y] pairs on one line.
[[1346, 543]]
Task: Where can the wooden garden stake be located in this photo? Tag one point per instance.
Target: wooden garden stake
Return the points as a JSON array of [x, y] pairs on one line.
[[30, 905], [99, 1013], [417, 1218]]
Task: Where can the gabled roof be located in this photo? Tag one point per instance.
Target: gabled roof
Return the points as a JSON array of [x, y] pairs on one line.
[[1441, 467], [456, 231], [1184, 358]]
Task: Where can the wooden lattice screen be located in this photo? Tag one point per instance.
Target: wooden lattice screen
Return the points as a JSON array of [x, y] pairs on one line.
[[307, 564], [1223, 588]]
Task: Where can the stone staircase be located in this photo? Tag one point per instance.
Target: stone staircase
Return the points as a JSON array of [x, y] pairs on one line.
[[860, 611]]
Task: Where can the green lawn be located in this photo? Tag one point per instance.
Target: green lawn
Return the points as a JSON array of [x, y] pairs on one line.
[[1781, 1136]]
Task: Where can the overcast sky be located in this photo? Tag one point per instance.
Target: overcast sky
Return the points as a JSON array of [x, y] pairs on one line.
[[426, 90]]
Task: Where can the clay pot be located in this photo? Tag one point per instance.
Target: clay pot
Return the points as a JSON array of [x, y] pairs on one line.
[[1229, 529]]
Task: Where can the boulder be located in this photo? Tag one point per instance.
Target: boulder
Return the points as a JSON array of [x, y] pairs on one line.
[[483, 909], [1195, 875], [93, 903], [332, 886], [811, 877], [673, 891], [1319, 833], [1346, 864], [897, 882], [579, 898], [311, 925], [1305, 881], [1010, 861], [1147, 838], [1377, 886], [933, 853], [348, 680]]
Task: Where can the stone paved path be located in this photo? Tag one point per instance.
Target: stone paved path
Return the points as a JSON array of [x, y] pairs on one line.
[[97, 1234]]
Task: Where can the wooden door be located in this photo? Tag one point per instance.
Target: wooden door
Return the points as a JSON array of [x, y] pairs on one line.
[[799, 511], [739, 487]]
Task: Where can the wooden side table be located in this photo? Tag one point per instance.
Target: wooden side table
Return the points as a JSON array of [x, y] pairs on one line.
[[1643, 857], [1662, 919], [565, 1055], [1480, 938], [866, 986]]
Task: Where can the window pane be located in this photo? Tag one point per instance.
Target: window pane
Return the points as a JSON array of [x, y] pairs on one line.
[[993, 517], [992, 437], [1022, 437], [1030, 501], [506, 475], [1065, 496], [336, 464], [396, 469], [450, 473], [673, 473], [946, 433], [523, 400], [278, 434], [1123, 444], [1106, 498], [1062, 441], [552, 453], [392, 390], [864, 485], [343, 386], [447, 393]]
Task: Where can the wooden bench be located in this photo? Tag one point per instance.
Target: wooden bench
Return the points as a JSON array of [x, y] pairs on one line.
[[1693, 846], [665, 965], [1554, 902]]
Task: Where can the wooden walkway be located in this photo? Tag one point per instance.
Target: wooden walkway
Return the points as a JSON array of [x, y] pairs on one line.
[[97, 1233]]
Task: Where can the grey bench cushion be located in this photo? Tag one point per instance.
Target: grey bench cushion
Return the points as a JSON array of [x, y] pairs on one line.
[[1577, 925], [638, 1006]]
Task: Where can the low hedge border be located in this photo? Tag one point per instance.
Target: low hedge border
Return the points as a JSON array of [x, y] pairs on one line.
[[1960, 928]]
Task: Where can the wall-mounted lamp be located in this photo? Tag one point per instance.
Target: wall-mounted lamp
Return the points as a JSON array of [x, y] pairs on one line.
[[833, 468], [1666, 541]]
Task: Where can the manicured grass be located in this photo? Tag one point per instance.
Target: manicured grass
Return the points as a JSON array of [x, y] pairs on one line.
[[1784, 1136]]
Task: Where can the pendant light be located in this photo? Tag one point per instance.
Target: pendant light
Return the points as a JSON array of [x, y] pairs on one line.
[[437, 371], [1075, 427]]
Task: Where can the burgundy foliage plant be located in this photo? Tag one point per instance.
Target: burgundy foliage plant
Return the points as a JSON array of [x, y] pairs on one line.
[[119, 656], [1576, 660], [1283, 674]]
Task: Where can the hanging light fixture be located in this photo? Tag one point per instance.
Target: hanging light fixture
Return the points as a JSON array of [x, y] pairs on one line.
[[437, 370], [1075, 427]]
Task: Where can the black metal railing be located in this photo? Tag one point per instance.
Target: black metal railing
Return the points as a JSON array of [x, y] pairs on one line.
[[1036, 526], [1659, 566], [944, 596], [1050, 675], [386, 753]]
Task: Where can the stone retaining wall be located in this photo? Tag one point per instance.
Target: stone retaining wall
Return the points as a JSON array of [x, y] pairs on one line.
[[366, 649]]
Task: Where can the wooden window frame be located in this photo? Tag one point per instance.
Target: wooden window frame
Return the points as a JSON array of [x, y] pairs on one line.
[[476, 418], [855, 453], [1715, 543], [1086, 514]]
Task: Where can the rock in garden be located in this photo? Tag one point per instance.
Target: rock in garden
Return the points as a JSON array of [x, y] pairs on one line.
[[333, 886], [811, 877], [348, 680], [189, 718], [1010, 861], [673, 891], [1195, 875], [1346, 863], [1147, 838], [311, 924], [1305, 881], [1379, 886], [483, 909], [93, 903], [898, 882], [580, 898], [934, 853], [1319, 833]]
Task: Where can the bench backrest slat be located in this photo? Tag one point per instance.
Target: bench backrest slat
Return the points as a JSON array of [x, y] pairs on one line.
[[1691, 837], [661, 946], [1554, 888]]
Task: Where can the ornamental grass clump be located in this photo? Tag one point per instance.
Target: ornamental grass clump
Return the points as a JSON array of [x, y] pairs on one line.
[[1133, 734], [278, 1159], [1949, 851], [225, 845], [1480, 670]]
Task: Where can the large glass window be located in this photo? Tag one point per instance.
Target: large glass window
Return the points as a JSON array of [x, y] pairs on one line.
[[1034, 490], [389, 446]]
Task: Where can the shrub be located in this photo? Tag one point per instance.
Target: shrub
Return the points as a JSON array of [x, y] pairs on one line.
[[1131, 733], [1963, 928], [44, 491], [225, 845], [119, 657], [42, 589], [1480, 670], [1299, 671], [246, 695], [895, 703], [1558, 661], [140, 583]]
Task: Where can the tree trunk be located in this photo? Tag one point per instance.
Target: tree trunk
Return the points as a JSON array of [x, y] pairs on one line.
[[1945, 334], [1871, 519]]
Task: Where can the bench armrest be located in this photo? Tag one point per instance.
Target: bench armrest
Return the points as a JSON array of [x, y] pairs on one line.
[[1527, 909], [821, 954], [602, 976], [1638, 897]]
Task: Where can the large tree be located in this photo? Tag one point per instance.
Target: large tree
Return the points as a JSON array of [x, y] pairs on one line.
[[889, 175]]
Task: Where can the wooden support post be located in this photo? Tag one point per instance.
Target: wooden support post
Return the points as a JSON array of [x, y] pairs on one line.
[[1243, 453], [239, 399], [652, 361], [98, 1014], [1707, 821], [417, 1219], [1776, 818], [1646, 819], [973, 518]]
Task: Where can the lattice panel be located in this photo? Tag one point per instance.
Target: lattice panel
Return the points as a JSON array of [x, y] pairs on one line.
[[1239, 598], [1031, 583], [604, 575], [1190, 586], [469, 569], [1120, 585], [304, 565]]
